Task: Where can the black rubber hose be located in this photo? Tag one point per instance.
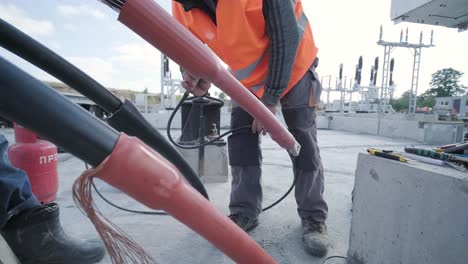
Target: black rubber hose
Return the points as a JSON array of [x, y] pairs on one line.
[[41, 109], [185, 97], [31, 50], [125, 116], [286, 194], [129, 120]]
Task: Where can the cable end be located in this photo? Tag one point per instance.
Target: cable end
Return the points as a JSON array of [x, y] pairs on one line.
[[295, 150]]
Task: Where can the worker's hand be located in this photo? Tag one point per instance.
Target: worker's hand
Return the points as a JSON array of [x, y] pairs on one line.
[[257, 127], [194, 85]]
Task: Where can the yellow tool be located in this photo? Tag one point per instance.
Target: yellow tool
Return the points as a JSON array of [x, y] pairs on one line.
[[386, 155]]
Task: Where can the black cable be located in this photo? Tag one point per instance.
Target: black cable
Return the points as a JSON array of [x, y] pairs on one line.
[[27, 101], [282, 197], [122, 208], [174, 112], [34, 52], [125, 209], [185, 97], [208, 142], [176, 109], [123, 115]]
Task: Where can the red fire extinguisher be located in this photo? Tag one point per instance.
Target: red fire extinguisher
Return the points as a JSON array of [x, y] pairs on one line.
[[38, 158]]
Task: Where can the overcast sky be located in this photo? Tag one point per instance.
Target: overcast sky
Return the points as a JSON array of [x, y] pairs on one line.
[[87, 33]]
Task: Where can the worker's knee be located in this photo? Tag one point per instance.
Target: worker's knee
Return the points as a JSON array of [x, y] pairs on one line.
[[309, 157], [239, 118], [302, 117], [301, 124], [244, 149]]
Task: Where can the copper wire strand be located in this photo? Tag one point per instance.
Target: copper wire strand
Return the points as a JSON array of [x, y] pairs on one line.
[[121, 248]]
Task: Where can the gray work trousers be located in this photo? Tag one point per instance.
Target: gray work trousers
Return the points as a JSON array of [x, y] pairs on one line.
[[245, 155]]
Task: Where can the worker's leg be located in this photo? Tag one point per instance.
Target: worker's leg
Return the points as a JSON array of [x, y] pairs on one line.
[[32, 230], [245, 159], [300, 119], [299, 114], [15, 189]]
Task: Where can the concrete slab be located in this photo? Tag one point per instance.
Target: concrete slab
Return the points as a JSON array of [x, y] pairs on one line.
[[409, 213], [6, 255], [279, 231], [417, 127]]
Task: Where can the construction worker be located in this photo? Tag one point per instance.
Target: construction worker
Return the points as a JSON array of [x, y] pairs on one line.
[[269, 47], [33, 230]]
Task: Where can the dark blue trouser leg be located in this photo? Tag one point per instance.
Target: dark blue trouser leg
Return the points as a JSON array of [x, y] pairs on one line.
[[15, 188]]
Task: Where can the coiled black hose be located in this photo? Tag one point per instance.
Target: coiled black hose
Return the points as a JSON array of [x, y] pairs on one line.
[[185, 97]]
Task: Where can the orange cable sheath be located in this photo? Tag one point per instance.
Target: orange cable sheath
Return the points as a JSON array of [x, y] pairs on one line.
[[147, 177], [160, 29]]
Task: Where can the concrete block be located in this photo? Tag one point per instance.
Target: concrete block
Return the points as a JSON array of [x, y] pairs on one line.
[[365, 124], [6, 255], [216, 167], [323, 122], [159, 119], [408, 213], [401, 128], [438, 133]]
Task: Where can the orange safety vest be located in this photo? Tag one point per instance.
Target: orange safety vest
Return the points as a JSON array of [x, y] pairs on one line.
[[240, 39]]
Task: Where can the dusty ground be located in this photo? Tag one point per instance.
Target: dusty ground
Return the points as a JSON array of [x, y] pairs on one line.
[[279, 231]]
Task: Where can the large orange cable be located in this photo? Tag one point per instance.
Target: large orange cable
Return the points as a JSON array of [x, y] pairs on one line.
[[160, 29], [147, 177]]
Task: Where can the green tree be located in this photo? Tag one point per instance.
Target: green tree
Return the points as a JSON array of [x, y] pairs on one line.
[[145, 91], [445, 82], [426, 100], [401, 104]]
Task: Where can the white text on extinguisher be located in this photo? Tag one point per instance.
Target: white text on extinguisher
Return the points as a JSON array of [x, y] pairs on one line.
[[47, 159]]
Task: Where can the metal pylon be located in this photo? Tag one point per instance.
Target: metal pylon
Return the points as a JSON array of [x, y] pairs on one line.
[[384, 93], [388, 47], [415, 80], [343, 96], [169, 86]]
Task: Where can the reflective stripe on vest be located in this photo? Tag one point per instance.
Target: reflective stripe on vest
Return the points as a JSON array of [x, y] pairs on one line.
[[244, 73]]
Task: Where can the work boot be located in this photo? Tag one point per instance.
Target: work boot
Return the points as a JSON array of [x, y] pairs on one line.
[[36, 237], [315, 237], [244, 222]]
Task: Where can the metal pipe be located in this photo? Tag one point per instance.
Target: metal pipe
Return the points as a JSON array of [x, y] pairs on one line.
[[201, 135]]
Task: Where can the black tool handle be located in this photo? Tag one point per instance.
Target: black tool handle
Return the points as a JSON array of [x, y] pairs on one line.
[[428, 153], [459, 149], [384, 155]]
